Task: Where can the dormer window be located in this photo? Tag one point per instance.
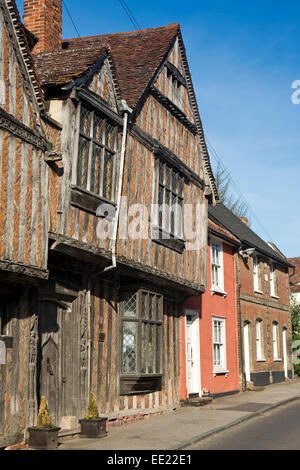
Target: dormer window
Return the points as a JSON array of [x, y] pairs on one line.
[[96, 154]]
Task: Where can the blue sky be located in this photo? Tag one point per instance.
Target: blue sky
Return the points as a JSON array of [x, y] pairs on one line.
[[244, 57]]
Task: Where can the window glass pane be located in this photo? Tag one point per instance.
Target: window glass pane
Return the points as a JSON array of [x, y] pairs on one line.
[[83, 161], [144, 305], [174, 181], [168, 177], [129, 347], [151, 306], [161, 173], [98, 128], [158, 349], [96, 169], [130, 306], [157, 307], [107, 175], [143, 348], [85, 121], [150, 349], [109, 135]]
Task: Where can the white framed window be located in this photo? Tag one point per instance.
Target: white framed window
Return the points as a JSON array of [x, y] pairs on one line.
[[259, 340], [217, 269], [275, 337], [257, 284], [273, 281], [219, 345]]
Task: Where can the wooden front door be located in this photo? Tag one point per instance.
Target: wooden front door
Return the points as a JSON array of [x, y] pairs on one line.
[[61, 371]]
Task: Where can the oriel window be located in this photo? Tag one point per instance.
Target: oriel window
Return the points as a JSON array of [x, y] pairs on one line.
[[171, 197], [142, 324], [96, 156]]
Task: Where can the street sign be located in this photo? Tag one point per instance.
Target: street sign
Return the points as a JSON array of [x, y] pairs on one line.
[[2, 353]]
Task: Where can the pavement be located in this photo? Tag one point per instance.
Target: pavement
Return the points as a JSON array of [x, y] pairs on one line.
[[185, 426]]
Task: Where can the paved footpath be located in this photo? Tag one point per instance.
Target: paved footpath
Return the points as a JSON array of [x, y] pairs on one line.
[[188, 425]]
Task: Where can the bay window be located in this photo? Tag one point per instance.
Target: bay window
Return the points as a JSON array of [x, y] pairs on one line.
[[96, 155], [141, 332]]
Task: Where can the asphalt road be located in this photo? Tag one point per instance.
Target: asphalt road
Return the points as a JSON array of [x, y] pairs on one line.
[[278, 429]]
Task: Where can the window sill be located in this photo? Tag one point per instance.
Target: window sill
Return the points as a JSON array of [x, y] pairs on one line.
[[7, 340], [220, 372], [172, 242], [277, 360], [215, 290], [140, 384], [260, 360], [258, 292], [274, 297], [87, 201]]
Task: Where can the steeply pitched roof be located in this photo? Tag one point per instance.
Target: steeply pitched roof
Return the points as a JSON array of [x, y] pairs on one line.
[[136, 56], [295, 275], [64, 66], [231, 222]]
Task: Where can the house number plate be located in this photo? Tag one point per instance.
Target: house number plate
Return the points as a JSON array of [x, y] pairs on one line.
[[2, 353]]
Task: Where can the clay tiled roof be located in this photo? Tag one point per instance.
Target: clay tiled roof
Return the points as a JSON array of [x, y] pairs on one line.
[[295, 276], [64, 66], [222, 231], [136, 56]]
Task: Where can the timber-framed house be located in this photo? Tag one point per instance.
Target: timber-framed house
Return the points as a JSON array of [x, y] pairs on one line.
[[131, 139], [121, 115], [24, 223]]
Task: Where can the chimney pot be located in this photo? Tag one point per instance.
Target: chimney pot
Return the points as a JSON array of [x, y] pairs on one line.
[[245, 220]]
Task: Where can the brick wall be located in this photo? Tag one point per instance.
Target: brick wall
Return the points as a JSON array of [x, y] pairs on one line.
[[44, 19]]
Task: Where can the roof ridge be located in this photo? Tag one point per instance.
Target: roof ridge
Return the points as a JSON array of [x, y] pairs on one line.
[[169, 26], [64, 51]]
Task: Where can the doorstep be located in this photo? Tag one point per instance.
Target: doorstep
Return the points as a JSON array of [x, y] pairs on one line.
[[197, 401]]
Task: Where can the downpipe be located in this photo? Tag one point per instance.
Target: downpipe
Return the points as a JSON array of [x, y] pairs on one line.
[[126, 110]]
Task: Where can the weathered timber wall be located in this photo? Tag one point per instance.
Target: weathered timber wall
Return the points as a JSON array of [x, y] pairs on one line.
[[105, 365]]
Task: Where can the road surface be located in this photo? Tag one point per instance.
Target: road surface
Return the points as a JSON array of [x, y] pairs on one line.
[[278, 429]]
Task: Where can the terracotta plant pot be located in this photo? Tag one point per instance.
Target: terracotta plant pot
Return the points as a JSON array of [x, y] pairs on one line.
[[93, 428], [43, 438]]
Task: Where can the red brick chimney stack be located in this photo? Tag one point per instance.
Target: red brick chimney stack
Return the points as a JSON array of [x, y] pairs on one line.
[[44, 19], [245, 220]]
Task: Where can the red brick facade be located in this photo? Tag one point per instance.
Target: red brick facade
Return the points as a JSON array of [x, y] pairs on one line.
[[44, 19]]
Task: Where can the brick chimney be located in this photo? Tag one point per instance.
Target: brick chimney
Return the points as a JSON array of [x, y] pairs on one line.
[[44, 19], [245, 220]]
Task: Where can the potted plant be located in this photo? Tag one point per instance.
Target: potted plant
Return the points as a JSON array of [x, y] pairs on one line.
[[92, 426], [44, 436]]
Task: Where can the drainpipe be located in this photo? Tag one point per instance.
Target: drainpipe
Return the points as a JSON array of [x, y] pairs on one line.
[[126, 110]]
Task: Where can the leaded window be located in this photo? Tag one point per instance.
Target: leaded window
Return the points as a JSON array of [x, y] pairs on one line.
[[142, 323], [171, 198], [96, 153]]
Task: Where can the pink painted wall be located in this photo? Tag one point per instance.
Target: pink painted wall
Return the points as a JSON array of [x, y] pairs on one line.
[[209, 306]]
